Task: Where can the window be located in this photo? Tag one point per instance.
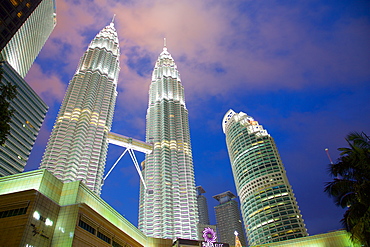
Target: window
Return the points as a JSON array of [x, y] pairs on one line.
[[13, 212], [86, 227], [104, 237]]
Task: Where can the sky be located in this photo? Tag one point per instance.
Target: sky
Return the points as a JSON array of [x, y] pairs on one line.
[[300, 68]]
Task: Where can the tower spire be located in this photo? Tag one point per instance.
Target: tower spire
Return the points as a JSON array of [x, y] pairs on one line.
[[164, 42], [112, 22]]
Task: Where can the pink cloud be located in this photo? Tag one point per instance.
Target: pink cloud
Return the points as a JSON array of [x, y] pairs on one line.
[[273, 50], [49, 86]]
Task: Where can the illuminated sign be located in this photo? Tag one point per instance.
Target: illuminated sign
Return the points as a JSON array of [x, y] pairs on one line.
[[210, 237]]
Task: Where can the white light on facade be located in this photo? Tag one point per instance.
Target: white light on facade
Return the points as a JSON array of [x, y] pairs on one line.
[[36, 215], [48, 222]]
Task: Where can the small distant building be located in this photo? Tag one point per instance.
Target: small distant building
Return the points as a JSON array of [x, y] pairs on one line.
[[203, 212], [202, 206], [228, 218]]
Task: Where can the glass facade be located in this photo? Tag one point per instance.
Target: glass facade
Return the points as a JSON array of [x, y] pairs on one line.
[[78, 144], [168, 209], [268, 205], [25, 124], [13, 13], [26, 43]]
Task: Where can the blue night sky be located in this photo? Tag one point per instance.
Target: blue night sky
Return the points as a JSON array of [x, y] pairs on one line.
[[300, 68]]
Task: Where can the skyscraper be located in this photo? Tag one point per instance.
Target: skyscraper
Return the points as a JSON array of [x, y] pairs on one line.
[[203, 212], [23, 42], [202, 206], [228, 218], [269, 208], [78, 144], [169, 208], [29, 113], [13, 13], [24, 28]]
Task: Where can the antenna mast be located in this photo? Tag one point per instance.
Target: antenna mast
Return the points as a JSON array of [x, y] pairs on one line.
[[327, 153]]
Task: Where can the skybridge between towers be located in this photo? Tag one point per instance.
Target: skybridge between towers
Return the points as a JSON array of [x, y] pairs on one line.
[[130, 144]]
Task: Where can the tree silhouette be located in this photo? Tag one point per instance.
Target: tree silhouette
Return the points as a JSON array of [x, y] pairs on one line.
[[351, 186], [7, 93]]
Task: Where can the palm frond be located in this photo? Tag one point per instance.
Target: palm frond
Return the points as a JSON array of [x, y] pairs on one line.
[[351, 186]]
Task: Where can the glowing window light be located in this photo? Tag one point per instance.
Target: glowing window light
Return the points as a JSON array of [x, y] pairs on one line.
[[36, 215], [48, 222]]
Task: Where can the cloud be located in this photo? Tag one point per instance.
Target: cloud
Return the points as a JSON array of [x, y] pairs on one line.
[[49, 86], [220, 47]]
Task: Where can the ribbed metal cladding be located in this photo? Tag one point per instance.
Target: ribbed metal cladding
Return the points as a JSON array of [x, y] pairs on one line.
[[169, 208], [21, 51], [25, 124], [268, 205], [78, 144]]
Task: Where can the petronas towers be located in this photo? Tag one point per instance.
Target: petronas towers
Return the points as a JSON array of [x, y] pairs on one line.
[[171, 210], [78, 144]]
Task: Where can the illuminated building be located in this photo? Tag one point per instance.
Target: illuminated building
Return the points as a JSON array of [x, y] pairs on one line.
[[168, 209], [13, 14], [78, 144], [37, 209], [25, 26], [228, 218], [268, 205], [202, 206], [331, 239], [29, 113]]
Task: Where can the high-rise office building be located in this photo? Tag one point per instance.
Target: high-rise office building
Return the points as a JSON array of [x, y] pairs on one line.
[[29, 113], [78, 144], [25, 27], [202, 206], [269, 207], [228, 218], [13, 13], [168, 209]]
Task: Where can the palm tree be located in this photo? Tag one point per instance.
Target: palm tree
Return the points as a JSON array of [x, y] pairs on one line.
[[351, 186]]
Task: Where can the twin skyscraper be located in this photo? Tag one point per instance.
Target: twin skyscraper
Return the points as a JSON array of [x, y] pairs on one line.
[[78, 144]]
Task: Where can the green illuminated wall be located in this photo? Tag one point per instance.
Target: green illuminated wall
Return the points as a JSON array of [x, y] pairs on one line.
[[69, 196]]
